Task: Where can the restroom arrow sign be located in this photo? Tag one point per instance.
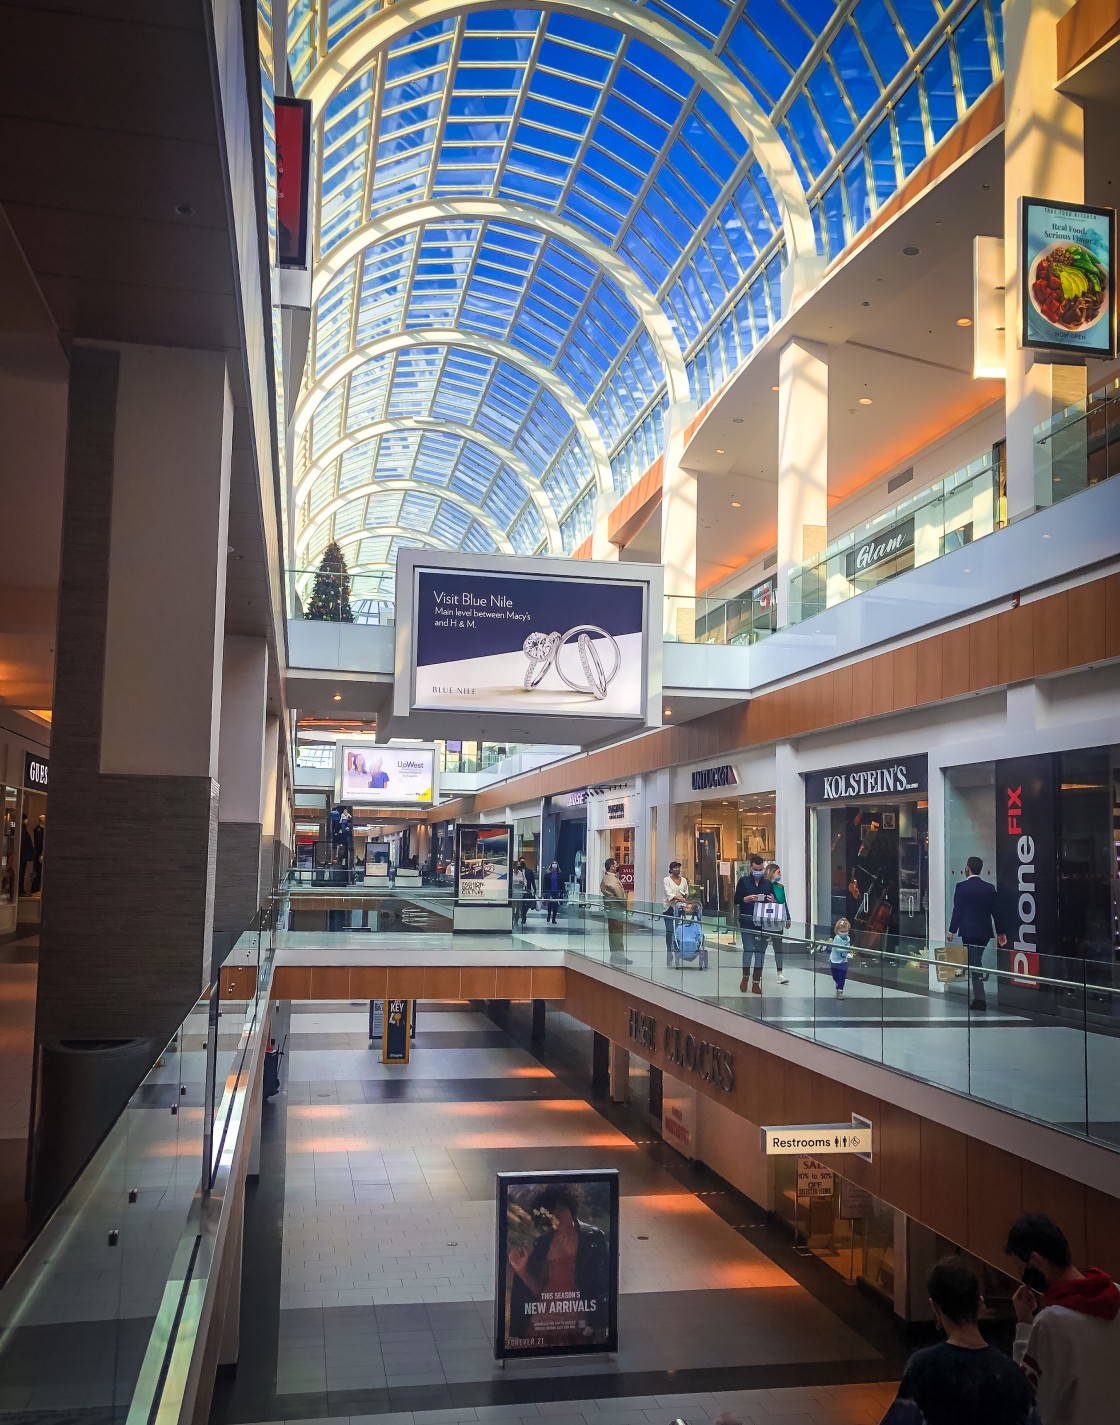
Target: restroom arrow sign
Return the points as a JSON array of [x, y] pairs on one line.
[[818, 1138]]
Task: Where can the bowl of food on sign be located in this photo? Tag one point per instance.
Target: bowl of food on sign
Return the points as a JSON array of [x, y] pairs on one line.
[[1069, 287]]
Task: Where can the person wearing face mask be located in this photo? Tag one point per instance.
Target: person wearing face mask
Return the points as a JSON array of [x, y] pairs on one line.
[[1068, 1337], [963, 1380], [552, 890], [752, 889]]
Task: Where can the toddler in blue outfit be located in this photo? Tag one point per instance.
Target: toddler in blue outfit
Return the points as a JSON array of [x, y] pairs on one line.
[[838, 954]]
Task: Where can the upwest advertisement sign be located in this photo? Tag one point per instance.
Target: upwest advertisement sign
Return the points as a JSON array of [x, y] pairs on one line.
[[1027, 862], [903, 776]]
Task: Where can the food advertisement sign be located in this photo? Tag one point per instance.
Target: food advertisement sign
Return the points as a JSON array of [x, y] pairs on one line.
[[374, 776], [556, 1289], [482, 864], [1067, 261], [527, 643]]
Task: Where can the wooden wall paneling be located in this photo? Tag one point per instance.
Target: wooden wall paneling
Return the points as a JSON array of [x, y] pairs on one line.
[[983, 654], [820, 708], [291, 982], [1016, 644], [1112, 615], [827, 1104], [799, 1094], [842, 682], [330, 982], [514, 982], [882, 684], [929, 671], [478, 981], [905, 677], [1060, 1198], [900, 1166], [368, 981], [954, 662], [761, 722], [549, 982], [405, 982], [862, 702], [441, 982], [944, 1195], [1051, 634], [865, 1174], [749, 1099], [1102, 1232], [995, 1198], [1087, 633], [772, 1082]]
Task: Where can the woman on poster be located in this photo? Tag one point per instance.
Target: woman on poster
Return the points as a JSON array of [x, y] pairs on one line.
[[560, 1292]]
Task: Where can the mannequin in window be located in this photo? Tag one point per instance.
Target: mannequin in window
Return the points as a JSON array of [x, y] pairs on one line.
[[38, 838]]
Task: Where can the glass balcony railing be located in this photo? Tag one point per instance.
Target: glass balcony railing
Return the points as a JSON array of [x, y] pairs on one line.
[[107, 1292], [340, 598], [1045, 1046], [1078, 447], [959, 509], [741, 620]]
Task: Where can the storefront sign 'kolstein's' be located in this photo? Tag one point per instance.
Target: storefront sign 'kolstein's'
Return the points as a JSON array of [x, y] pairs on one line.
[[709, 1062], [875, 779], [710, 777], [888, 544]]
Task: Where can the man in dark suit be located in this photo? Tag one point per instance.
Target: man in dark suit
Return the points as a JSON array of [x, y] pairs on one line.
[[973, 919]]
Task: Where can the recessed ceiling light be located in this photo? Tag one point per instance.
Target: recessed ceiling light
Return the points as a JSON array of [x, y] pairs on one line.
[[865, 304], [668, 712], [720, 450], [338, 697], [736, 505], [865, 400], [184, 210], [911, 251], [964, 321], [736, 420], [773, 388]]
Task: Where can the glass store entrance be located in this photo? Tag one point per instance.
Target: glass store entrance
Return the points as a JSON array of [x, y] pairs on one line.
[[869, 862]]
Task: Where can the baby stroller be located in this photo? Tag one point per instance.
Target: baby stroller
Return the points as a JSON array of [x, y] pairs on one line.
[[688, 939]]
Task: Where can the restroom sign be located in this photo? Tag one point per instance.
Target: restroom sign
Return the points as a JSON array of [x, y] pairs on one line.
[[831, 1138]]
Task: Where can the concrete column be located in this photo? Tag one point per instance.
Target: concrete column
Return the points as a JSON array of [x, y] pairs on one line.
[[1044, 148], [802, 463], [679, 520], [242, 778], [125, 947], [270, 804]]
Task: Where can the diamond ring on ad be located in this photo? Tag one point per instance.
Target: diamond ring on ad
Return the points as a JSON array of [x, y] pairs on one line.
[[540, 649], [598, 677]]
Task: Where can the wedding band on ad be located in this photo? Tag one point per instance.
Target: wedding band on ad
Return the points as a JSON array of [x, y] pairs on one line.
[[598, 677]]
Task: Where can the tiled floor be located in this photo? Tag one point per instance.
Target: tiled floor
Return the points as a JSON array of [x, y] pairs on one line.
[[369, 1257]]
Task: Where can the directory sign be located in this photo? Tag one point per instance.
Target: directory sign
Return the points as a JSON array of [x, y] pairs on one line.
[[556, 1289], [1067, 264], [396, 776], [483, 872], [497, 642]]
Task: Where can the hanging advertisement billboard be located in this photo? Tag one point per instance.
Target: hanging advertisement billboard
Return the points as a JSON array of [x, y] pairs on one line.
[[293, 167], [1067, 265], [372, 775], [503, 642], [556, 1289], [483, 870]]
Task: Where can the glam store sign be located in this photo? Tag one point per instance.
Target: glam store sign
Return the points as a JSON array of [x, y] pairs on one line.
[[528, 643]]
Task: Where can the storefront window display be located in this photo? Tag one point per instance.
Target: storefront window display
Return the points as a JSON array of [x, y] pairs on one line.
[[714, 841], [9, 846], [526, 840], [1047, 827], [869, 839]]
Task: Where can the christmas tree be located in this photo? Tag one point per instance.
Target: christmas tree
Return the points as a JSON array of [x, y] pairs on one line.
[[330, 598]]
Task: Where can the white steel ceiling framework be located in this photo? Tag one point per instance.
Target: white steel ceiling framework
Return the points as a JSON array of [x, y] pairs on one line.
[[537, 227]]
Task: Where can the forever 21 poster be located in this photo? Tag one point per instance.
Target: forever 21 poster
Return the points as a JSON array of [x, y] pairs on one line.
[[556, 1292]]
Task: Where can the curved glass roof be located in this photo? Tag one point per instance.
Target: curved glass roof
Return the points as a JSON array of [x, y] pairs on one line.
[[545, 227]]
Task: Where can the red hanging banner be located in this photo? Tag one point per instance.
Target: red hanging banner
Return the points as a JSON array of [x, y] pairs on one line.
[[293, 166]]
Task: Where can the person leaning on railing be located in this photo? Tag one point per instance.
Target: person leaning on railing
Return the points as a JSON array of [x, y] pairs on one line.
[[614, 903]]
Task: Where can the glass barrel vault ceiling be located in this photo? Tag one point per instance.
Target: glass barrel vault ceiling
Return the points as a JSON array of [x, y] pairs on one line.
[[538, 228]]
